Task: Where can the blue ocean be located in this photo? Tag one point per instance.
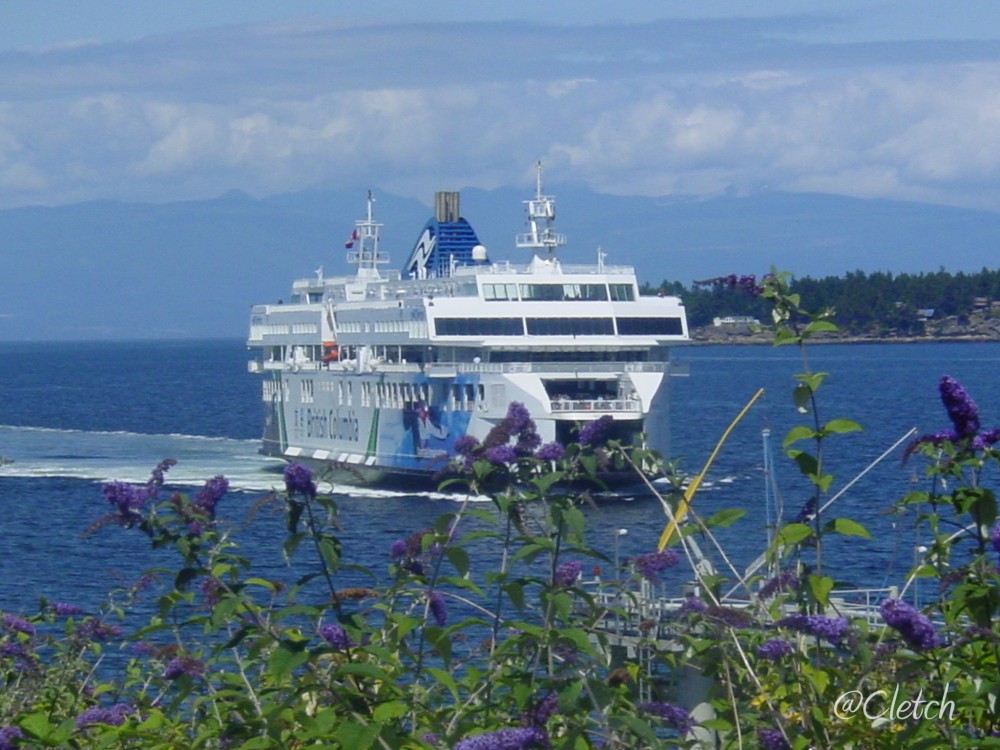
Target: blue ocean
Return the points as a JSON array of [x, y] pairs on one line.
[[76, 415]]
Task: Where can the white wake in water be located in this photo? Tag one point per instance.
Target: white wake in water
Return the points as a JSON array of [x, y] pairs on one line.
[[129, 457]]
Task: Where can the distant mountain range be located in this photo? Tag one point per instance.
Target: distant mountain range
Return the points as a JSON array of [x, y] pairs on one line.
[[114, 270]]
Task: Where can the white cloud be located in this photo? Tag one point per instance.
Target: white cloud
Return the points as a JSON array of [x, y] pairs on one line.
[[277, 107]]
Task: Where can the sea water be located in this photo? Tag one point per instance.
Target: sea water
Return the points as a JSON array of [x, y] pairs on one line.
[[73, 416]]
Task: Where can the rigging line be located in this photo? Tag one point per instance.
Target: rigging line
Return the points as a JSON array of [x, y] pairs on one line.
[[756, 564]]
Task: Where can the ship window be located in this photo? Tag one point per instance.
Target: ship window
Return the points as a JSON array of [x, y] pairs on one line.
[[542, 292], [492, 292], [622, 292], [564, 292], [650, 326], [585, 292], [479, 327], [570, 326]]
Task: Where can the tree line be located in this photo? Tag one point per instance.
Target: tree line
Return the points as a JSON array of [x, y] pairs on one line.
[[879, 301]]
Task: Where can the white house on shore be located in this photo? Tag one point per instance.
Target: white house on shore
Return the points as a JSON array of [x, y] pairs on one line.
[[734, 321]]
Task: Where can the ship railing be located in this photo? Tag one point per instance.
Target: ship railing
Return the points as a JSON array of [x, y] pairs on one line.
[[630, 612], [552, 367], [598, 405], [395, 366], [256, 365], [512, 268]]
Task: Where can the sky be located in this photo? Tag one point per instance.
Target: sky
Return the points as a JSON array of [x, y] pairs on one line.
[[143, 101]]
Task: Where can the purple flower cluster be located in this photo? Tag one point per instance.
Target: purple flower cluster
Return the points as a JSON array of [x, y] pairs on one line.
[[772, 739], [127, 500], [964, 416], [541, 712], [783, 581], [774, 649], [515, 437], [98, 631], [730, 616], [651, 564], [409, 553], [435, 603], [674, 716], [299, 480], [524, 738], [156, 475], [63, 609], [18, 654], [693, 605], [10, 738], [336, 636], [501, 454], [112, 715], [466, 445], [746, 283], [832, 628], [183, 666], [551, 452], [995, 537], [916, 628], [567, 573], [596, 432], [208, 496], [962, 410], [16, 624]]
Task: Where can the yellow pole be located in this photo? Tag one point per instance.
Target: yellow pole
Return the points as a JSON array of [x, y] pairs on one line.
[[682, 507]]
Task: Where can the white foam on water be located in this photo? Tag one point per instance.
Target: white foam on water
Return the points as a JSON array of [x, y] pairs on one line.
[[40, 452]]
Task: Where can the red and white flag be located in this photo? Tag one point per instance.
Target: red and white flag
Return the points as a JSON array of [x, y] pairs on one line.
[[354, 237]]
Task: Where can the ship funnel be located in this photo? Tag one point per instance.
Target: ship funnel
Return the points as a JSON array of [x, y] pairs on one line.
[[446, 206]]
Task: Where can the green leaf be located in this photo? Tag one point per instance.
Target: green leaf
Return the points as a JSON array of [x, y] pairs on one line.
[[849, 527], [444, 677], [821, 586], [725, 517], [806, 462], [459, 558], [515, 592], [841, 426], [820, 325], [793, 533], [37, 725], [356, 736], [392, 710], [285, 659], [800, 432]]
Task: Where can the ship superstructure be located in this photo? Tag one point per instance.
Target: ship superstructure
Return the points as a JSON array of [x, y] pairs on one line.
[[379, 373]]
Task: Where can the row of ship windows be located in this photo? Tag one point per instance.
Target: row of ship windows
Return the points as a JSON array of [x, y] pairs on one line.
[[459, 397], [275, 329], [558, 326], [559, 292], [415, 328]]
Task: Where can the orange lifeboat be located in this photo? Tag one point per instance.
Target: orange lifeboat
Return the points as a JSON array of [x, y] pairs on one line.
[[331, 352]]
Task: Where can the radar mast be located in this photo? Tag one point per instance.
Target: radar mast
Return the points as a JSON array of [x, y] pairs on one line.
[[541, 215], [365, 235]]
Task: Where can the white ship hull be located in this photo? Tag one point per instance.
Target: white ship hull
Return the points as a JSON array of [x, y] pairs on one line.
[[409, 421]]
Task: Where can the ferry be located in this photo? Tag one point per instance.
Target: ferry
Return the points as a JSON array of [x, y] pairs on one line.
[[374, 376]]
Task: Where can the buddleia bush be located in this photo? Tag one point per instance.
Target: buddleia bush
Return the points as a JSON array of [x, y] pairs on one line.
[[486, 630]]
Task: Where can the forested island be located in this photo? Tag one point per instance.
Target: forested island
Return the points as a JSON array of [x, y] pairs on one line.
[[868, 305]]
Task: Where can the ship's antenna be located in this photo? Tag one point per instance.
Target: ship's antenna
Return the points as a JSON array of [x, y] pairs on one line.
[[541, 209]]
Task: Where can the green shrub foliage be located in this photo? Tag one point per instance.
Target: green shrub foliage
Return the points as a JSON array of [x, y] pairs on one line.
[[529, 650]]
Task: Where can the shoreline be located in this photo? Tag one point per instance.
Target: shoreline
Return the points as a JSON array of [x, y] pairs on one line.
[[766, 339]]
